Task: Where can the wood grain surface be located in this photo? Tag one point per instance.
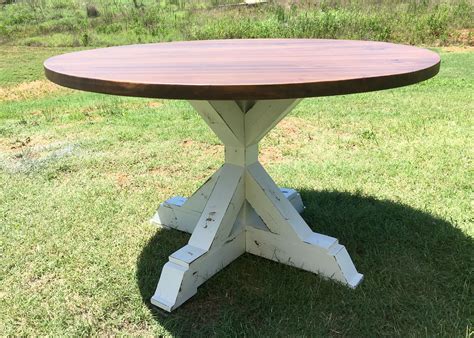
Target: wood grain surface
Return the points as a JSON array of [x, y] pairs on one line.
[[243, 69]]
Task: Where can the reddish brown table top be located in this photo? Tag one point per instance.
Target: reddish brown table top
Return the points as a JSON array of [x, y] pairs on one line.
[[243, 69]]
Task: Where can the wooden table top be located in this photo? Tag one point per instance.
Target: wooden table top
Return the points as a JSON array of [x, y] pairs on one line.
[[243, 69]]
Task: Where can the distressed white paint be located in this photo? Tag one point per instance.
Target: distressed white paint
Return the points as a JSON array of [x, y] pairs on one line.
[[176, 213], [330, 261], [241, 209], [221, 210], [179, 280]]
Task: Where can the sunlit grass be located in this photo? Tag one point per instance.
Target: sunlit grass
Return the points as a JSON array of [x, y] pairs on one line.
[[388, 173]]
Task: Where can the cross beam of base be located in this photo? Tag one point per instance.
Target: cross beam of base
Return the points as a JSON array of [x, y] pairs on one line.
[[240, 209]]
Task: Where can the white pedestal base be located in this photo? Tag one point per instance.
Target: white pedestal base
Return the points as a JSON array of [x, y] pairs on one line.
[[240, 209]]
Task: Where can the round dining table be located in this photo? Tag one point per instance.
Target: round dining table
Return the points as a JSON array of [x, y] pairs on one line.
[[242, 89]]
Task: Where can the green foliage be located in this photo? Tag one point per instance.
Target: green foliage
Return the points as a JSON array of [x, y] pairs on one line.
[[15, 14], [437, 22], [119, 22]]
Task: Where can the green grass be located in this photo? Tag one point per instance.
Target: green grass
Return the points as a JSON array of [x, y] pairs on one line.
[[388, 173], [65, 23]]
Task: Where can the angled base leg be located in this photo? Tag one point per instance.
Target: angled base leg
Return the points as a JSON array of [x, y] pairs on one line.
[[215, 242], [241, 209], [289, 239]]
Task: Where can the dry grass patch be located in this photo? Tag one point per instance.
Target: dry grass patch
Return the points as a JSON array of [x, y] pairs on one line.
[[459, 49], [465, 36], [29, 90], [10, 146]]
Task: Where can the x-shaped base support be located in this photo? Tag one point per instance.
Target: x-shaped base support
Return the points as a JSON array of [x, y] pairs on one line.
[[241, 209]]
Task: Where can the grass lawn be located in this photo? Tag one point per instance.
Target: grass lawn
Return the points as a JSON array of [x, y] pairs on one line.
[[388, 173]]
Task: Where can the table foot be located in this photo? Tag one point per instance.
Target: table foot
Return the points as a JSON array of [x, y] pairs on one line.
[[182, 275], [317, 253]]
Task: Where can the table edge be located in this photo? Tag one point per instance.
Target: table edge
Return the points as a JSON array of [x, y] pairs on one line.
[[243, 92]]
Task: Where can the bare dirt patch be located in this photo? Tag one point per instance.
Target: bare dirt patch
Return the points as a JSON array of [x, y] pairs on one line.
[[123, 180], [154, 104], [269, 155]]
